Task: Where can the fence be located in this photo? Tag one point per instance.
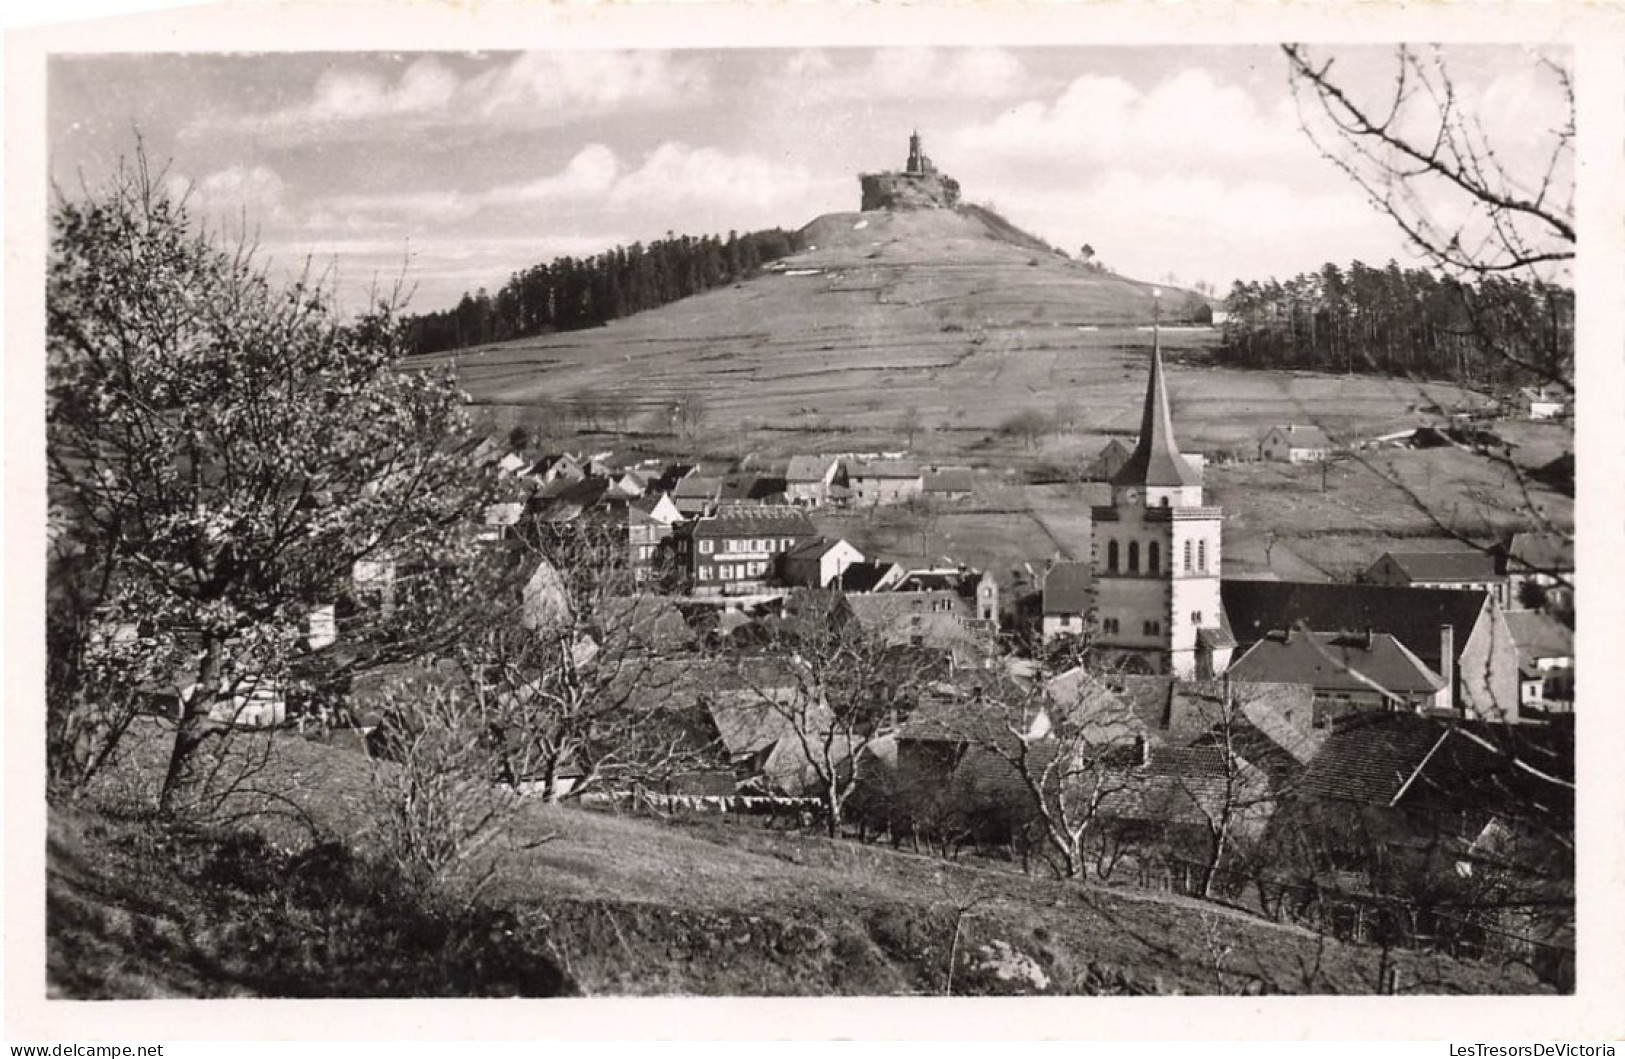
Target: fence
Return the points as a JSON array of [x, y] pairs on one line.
[[1463, 932]]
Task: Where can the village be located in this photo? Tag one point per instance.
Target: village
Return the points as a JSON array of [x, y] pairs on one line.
[[508, 620], [1191, 711]]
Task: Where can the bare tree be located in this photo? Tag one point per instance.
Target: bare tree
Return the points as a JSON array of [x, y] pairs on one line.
[[833, 687], [571, 675], [1067, 751], [1475, 208], [435, 785]]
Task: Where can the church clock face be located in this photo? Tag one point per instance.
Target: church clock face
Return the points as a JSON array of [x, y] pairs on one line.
[[1131, 496]]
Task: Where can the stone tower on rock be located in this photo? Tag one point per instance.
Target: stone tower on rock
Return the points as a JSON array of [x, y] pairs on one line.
[[918, 187]]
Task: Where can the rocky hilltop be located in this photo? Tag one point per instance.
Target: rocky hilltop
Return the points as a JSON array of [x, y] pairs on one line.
[[918, 187]]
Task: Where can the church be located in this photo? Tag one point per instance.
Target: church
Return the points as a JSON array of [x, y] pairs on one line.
[[1154, 592]]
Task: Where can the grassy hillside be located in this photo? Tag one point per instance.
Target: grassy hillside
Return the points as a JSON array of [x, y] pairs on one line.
[[962, 322], [934, 310], [636, 906]]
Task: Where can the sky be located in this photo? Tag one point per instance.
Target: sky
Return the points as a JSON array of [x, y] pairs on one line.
[[450, 171]]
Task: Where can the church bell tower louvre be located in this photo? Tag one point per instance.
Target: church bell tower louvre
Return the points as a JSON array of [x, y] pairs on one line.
[[1155, 554]]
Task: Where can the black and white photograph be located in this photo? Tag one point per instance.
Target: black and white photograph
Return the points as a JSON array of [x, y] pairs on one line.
[[868, 519]]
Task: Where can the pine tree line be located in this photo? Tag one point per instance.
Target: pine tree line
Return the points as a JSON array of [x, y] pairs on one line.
[[572, 293], [1492, 335]]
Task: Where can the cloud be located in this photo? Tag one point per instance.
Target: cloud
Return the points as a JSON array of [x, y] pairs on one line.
[[529, 90], [227, 195], [674, 177], [903, 73], [1188, 118]]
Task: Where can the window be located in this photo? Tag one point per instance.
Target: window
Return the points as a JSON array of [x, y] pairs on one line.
[[1153, 558], [1109, 626], [1201, 555], [1196, 618], [1187, 557], [1152, 628], [1111, 557], [705, 547], [1133, 557]]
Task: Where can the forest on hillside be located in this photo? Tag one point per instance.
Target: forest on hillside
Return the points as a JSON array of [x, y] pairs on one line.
[[1491, 335], [571, 293]]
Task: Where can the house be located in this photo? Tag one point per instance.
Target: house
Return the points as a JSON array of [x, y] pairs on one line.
[[807, 479], [1539, 570], [739, 551], [697, 494], [1545, 661], [1349, 672], [1440, 814], [1295, 443], [948, 483], [1463, 568], [751, 489], [819, 563], [1109, 461], [883, 481], [1460, 634], [927, 618], [1543, 402], [562, 467], [869, 576], [1068, 599]]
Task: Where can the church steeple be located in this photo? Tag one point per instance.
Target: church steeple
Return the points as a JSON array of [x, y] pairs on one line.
[[1156, 463]]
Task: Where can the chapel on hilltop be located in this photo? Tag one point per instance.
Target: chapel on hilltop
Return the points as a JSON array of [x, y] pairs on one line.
[[919, 186]]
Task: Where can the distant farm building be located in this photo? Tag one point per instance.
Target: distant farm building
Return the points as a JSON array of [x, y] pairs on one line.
[[1466, 568], [1295, 443]]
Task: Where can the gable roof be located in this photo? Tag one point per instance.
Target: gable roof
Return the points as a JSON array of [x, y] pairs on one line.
[[1337, 661], [1068, 588], [1156, 459], [1379, 758], [1540, 553], [1457, 565], [1303, 435], [1414, 616], [808, 468], [950, 480], [867, 576], [756, 521], [882, 469], [697, 486], [1539, 635]]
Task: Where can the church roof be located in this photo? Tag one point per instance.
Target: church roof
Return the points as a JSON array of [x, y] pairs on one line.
[[1156, 459]]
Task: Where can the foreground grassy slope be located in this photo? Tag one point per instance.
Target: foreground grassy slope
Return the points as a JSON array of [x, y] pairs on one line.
[[637, 906]]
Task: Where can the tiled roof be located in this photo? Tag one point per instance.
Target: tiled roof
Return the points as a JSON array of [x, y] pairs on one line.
[[950, 480], [1374, 758], [1540, 552], [864, 576], [1462, 565], [748, 522], [1337, 662], [808, 468], [1540, 635], [697, 486], [882, 469], [1068, 589], [1413, 615]]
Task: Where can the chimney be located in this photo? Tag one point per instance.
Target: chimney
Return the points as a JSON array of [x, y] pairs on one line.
[[1447, 664]]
